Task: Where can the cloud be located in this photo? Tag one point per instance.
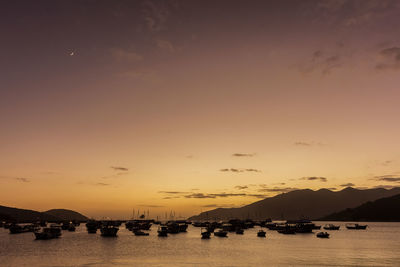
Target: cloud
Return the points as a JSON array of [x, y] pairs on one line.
[[120, 54], [23, 180], [388, 178], [276, 189], [218, 206], [101, 184], [239, 170], [199, 195], [172, 192], [314, 178], [390, 59], [300, 143], [156, 14], [151, 206], [320, 62], [241, 187], [347, 185], [118, 168], [243, 155], [258, 195], [165, 45]]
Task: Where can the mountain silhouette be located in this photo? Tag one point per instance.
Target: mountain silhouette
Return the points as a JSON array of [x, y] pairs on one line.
[[305, 203], [383, 209], [24, 215]]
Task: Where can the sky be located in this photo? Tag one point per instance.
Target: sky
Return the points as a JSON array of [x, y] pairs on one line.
[[112, 106]]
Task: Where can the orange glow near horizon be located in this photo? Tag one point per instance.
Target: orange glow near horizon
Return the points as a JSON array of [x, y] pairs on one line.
[[188, 116]]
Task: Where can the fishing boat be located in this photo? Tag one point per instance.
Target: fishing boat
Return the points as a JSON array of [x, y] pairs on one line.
[[261, 233], [140, 233], [221, 233], [356, 226], [108, 229], [18, 229], [92, 226], [239, 231], [205, 234], [48, 233], [162, 230], [331, 227], [323, 235]]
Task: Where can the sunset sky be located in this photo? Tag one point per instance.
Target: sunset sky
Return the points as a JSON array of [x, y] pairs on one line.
[[106, 106]]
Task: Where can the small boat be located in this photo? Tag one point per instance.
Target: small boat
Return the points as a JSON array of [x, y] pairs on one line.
[[356, 226], [162, 230], [331, 227], [48, 233], [92, 226], [323, 235], [18, 229], [205, 234], [108, 229], [287, 231], [221, 233], [71, 228], [261, 233], [140, 233], [239, 231]]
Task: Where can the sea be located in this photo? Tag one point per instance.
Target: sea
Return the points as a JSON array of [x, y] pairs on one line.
[[378, 245]]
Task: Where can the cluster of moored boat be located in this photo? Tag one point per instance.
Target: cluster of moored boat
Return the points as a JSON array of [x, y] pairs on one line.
[[288, 227], [110, 228]]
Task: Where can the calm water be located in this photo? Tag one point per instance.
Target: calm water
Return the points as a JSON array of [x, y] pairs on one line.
[[379, 245]]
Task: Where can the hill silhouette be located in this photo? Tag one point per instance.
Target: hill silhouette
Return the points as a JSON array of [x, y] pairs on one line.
[[384, 209], [297, 204], [66, 215], [24, 215]]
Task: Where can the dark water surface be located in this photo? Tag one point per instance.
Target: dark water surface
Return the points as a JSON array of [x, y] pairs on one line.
[[379, 245]]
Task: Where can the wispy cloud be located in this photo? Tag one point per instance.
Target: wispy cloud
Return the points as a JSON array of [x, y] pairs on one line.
[[347, 185], [388, 178], [243, 154], [151, 206], [239, 170], [23, 180], [322, 62], [314, 178], [276, 189], [390, 59], [241, 187], [101, 184], [300, 143], [119, 168]]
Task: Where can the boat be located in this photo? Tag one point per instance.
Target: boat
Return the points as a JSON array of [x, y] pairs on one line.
[[140, 233], [356, 226], [18, 229], [162, 230], [71, 228], [331, 227], [48, 233], [287, 231], [221, 233], [92, 226], [323, 235], [108, 229], [205, 234], [261, 233], [239, 231]]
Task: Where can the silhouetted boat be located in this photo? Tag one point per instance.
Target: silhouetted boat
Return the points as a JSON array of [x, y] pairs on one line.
[[205, 234], [261, 233], [239, 231], [92, 226], [287, 231], [18, 229], [48, 233], [221, 233], [331, 227], [108, 229], [356, 226], [323, 235], [140, 233], [162, 230], [71, 227]]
